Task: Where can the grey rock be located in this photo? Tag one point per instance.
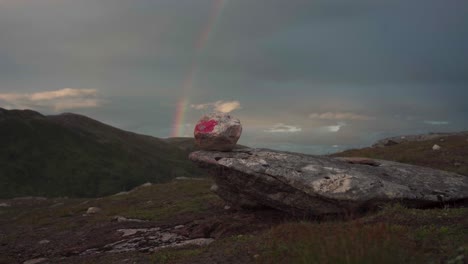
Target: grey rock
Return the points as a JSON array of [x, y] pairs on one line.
[[148, 184], [5, 205], [217, 131], [121, 193], [36, 261], [436, 147], [317, 185], [93, 210], [168, 237], [44, 241], [195, 242], [131, 232], [147, 240], [122, 219]]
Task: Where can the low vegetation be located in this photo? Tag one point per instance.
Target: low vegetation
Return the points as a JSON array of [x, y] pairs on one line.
[[394, 234], [451, 156]]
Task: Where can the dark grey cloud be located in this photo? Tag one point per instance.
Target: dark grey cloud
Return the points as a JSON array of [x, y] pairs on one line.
[[402, 62]]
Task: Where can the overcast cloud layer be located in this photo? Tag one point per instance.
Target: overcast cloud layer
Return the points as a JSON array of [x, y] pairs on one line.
[[309, 76]]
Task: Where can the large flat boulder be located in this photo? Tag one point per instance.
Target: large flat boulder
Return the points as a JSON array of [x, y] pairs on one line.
[[316, 185]]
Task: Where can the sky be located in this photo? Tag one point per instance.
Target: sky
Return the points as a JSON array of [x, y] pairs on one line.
[[307, 76]]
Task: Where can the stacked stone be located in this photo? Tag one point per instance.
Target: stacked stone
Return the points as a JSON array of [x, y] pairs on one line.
[[217, 131]]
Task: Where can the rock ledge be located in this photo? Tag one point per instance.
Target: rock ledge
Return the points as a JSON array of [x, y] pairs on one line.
[[316, 185]]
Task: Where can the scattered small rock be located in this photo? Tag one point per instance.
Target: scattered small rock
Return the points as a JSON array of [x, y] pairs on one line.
[[130, 232], [148, 184], [148, 240], [214, 188], [168, 237], [36, 261], [5, 205], [436, 147], [93, 210], [122, 219], [227, 207], [44, 241], [194, 242], [121, 193], [179, 227]]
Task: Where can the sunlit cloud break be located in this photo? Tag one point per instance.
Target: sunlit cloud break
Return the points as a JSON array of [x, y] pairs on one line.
[[340, 116], [436, 123], [332, 129], [218, 106], [282, 128], [57, 100]]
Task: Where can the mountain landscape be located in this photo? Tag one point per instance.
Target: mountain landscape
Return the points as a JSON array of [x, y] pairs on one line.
[[73, 155], [177, 218], [218, 131]]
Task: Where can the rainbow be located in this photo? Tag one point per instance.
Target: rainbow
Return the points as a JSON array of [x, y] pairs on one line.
[[178, 127]]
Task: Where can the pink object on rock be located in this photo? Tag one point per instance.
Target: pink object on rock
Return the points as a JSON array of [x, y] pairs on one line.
[[217, 131]]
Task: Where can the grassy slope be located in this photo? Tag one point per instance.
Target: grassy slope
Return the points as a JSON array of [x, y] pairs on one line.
[[452, 156], [72, 155], [393, 235]]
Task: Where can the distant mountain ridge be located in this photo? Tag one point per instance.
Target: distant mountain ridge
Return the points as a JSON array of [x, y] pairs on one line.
[[413, 138], [74, 155]]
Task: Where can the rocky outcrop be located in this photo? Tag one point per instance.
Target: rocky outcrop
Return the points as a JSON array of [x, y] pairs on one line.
[[316, 185], [148, 240]]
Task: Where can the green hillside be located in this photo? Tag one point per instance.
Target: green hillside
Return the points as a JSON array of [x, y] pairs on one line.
[[72, 155]]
